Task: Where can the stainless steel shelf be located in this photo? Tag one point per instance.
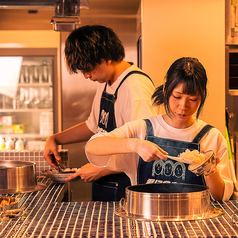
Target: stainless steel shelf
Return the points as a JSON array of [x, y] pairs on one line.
[[24, 135], [26, 110], [233, 92], [40, 85]]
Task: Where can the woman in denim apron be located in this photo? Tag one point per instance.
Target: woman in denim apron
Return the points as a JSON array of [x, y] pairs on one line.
[[172, 171], [183, 96]]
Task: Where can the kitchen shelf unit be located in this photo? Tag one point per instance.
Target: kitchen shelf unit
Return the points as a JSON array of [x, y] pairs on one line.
[[36, 103], [25, 136]]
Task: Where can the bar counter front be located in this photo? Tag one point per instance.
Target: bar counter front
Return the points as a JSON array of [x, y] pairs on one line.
[[45, 215]]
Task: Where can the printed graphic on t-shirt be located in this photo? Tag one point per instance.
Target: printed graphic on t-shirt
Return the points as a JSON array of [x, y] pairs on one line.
[[100, 130], [104, 118]]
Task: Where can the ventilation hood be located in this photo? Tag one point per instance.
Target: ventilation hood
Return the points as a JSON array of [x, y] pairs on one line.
[[37, 4], [66, 12]]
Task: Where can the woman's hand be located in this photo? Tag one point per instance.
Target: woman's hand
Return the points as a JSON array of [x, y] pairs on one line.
[[149, 151], [215, 183]]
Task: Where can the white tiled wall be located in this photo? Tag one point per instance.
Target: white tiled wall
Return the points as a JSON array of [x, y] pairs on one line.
[[35, 156]]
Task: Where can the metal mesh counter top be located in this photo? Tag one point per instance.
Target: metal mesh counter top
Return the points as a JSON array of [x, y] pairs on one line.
[[44, 217]]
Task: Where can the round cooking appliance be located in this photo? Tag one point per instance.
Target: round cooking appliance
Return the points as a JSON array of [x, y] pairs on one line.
[[167, 202], [18, 177]]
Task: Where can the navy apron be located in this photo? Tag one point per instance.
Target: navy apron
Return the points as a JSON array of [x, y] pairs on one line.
[[169, 171], [110, 187]]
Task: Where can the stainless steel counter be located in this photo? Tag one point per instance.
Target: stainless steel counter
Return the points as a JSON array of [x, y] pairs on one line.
[[45, 217]]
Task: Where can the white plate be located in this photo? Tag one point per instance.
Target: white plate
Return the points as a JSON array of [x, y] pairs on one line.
[[57, 177]]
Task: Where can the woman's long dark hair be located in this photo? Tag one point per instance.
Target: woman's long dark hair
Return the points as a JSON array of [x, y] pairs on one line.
[[185, 70]]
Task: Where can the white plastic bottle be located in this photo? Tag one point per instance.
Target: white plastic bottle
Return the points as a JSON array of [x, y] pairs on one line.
[[9, 145], [2, 143], [19, 145]]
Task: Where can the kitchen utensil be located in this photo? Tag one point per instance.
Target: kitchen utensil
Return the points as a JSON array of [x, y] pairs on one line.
[[11, 213], [18, 177], [167, 202], [207, 166], [61, 166], [181, 160], [9, 207], [7, 202]]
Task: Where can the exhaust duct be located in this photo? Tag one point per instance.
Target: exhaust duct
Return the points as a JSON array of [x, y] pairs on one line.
[[66, 12]]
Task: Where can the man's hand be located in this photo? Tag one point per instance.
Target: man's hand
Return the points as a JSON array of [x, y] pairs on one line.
[[51, 148], [90, 173]]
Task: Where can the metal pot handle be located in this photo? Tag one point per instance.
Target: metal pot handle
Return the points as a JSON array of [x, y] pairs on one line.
[[122, 205], [234, 217]]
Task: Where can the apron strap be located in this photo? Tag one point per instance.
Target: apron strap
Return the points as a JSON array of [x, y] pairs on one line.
[[202, 133], [132, 72], [149, 127], [105, 87], [198, 137]]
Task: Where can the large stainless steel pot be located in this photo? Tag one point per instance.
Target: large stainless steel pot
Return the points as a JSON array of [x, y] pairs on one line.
[[167, 202], [18, 177]]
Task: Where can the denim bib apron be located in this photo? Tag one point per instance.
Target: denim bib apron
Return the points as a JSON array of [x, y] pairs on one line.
[[110, 187], [107, 121], [169, 171]]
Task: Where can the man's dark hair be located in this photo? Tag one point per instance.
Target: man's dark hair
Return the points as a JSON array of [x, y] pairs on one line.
[[87, 46], [185, 70]]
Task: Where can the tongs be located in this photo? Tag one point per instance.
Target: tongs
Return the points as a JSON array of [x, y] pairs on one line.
[[181, 160], [12, 213], [61, 166]]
